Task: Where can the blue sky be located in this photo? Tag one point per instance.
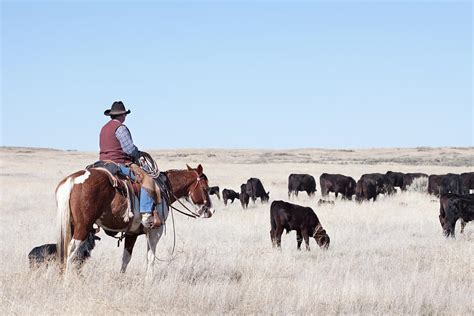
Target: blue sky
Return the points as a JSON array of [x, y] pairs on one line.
[[238, 74]]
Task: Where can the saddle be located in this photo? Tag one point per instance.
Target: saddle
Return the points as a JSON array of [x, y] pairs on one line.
[[130, 188]]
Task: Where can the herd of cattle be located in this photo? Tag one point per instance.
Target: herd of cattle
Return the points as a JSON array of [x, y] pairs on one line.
[[456, 202]]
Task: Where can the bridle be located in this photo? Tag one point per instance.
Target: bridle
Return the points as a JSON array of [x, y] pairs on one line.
[[190, 193]]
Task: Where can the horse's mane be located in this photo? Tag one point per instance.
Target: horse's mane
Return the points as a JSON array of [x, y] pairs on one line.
[[181, 170]]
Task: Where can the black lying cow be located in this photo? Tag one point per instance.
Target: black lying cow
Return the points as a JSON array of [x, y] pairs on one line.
[[337, 183], [228, 194], [214, 191], [47, 253], [243, 196], [287, 216], [453, 207], [301, 182], [256, 190]]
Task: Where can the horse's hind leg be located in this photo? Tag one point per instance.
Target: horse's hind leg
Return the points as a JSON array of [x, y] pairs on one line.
[[463, 224], [127, 251]]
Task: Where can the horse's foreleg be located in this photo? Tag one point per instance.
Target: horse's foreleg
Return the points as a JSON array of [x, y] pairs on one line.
[[153, 236], [127, 251]]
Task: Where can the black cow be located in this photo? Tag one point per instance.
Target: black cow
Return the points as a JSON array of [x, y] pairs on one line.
[[214, 190], [337, 183], [467, 182], [256, 190], [301, 182], [287, 216], [453, 207], [243, 196], [395, 178], [366, 189], [228, 194], [382, 181], [47, 253], [445, 183], [408, 179]]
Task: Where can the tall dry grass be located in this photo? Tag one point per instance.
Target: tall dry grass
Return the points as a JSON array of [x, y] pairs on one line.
[[385, 257]]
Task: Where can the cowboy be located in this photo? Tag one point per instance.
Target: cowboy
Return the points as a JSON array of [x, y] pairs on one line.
[[116, 145]]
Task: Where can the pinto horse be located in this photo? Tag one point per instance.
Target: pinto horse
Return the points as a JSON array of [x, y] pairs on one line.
[[88, 196]]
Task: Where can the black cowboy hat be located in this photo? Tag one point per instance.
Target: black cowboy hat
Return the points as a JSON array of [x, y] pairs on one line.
[[117, 109]]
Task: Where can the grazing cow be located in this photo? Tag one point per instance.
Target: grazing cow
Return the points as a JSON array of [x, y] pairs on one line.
[[383, 184], [243, 196], [287, 216], [301, 182], [214, 190], [47, 253], [256, 190], [453, 207], [337, 183], [408, 179], [395, 178], [228, 194], [467, 182], [446, 183], [366, 189]]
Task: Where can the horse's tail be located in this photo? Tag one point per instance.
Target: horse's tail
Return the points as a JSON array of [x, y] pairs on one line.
[[64, 233]]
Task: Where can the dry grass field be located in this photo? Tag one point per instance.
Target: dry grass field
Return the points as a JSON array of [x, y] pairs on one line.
[[388, 257]]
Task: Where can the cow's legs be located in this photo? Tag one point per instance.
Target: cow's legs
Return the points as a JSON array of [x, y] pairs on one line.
[[277, 234], [299, 239], [153, 236], [225, 201], [463, 224], [306, 239], [127, 251], [272, 236]]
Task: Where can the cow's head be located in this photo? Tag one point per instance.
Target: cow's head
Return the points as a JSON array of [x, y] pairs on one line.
[[321, 237], [266, 197]]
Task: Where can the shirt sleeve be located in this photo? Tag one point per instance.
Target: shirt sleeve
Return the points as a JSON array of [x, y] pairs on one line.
[[125, 139]]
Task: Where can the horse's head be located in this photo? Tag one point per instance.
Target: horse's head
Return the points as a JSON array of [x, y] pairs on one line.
[[198, 192]]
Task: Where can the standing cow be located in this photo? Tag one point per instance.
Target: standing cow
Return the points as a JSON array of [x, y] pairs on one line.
[[287, 216], [467, 182], [214, 191], [395, 178], [337, 183], [383, 184], [228, 194], [256, 190], [243, 196], [408, 179], [454, 207], [301, 182], [366, 189], [445, 183]]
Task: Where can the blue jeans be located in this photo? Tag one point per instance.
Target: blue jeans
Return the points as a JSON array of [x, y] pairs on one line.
[[146, 201]]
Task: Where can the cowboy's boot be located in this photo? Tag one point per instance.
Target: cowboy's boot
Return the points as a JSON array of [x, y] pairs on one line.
[[156, 219], [147, 220]]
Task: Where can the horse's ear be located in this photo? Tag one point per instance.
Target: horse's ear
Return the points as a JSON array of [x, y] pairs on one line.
[[189, 168], [199, 169]]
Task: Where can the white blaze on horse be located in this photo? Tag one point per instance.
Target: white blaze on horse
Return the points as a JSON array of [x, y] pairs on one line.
[[92, 196]]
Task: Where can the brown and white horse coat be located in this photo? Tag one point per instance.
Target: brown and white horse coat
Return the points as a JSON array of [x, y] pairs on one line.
[[89, 196]]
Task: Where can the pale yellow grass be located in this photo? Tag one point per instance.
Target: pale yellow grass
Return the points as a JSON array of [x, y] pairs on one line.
[[385, 257]]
